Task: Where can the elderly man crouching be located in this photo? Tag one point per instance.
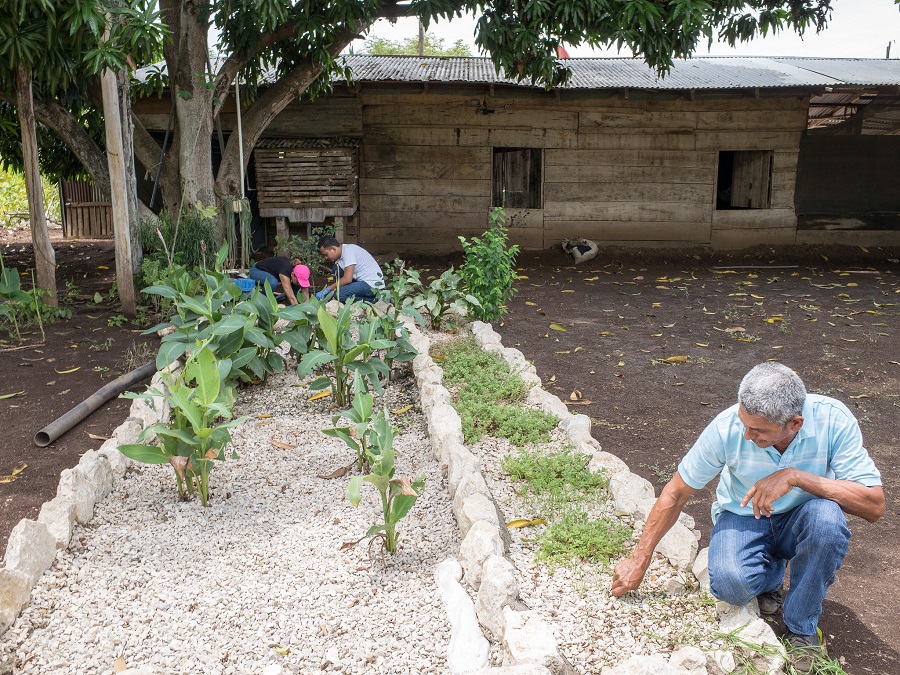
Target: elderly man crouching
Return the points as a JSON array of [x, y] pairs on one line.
[[791, 464]]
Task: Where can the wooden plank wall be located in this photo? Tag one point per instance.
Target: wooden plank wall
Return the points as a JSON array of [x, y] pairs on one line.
[[616, 170]]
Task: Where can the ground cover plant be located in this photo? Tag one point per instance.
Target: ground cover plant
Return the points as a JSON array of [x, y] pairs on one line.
[[558, 486], [489, 397]]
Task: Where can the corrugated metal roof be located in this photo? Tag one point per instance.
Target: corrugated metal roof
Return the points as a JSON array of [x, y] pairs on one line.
[[615, 73]]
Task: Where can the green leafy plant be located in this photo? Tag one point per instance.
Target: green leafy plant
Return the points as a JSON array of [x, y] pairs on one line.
[[401, 283], [388, 326], [443, 295], [347, 356], [397, 494], [19, 308], [183, 240], [117, 320], [358, 436], [210, 307], [201, 398], [489, 268], [488, 396]]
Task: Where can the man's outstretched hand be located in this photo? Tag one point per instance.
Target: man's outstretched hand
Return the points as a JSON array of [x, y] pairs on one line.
[[627, 576]]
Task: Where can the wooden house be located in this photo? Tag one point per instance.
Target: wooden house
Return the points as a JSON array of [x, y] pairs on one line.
[[726, 152]]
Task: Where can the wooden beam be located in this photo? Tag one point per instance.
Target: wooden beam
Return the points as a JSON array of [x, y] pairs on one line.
[[115, 155]]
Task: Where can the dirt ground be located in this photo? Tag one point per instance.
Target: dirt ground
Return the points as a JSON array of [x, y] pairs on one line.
[[829, 313], [55, 372]]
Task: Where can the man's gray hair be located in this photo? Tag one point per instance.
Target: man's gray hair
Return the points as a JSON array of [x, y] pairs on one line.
[[773, 391]]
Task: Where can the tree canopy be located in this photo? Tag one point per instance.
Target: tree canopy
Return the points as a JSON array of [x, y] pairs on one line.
[[282, 49], [434, 46]]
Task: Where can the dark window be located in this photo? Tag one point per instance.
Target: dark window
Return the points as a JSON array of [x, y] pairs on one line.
[[744, 180], [516, 180]]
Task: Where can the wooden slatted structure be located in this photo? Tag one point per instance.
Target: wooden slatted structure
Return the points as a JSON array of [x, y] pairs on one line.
[[85, 214], [306, 184]]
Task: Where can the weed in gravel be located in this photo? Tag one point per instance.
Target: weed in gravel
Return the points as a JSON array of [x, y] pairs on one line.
[[488, 396], [577, 539]]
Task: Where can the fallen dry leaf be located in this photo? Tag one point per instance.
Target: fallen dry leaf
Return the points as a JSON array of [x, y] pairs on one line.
[[575, 395], [282, 444], [556, 326], [400, 411], [95, 437], [66, 372], [119, 665], [12, 395], [337, 473], [584, 401], [321, 394], [524, 522]]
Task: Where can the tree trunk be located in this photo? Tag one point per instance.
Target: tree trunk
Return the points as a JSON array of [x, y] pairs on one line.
[[64, 124], [193, 110], [265, 109], [44, 256]]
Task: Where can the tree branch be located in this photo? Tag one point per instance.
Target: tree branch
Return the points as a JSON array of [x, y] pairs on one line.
[[64, 124], [267, 107], [234, 63]]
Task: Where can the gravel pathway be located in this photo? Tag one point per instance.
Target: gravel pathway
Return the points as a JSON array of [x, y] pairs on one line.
[[258, 580], [594, 629]]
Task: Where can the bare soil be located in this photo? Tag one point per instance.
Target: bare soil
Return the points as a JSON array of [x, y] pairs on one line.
[[832, 314], [53, 372]]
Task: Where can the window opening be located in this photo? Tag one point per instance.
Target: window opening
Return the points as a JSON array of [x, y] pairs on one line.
[[516, 180], [744, 180]]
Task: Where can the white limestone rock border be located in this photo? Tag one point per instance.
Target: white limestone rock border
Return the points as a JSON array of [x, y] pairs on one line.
[[33, 544]]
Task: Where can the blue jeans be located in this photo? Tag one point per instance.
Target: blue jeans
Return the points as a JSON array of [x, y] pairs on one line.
[[747, 557], [355, 289], [261, 277]]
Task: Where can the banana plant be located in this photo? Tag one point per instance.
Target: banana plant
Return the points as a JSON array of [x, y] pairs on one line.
[[398, 495], [199, 396], [358, 434], [335, 345]]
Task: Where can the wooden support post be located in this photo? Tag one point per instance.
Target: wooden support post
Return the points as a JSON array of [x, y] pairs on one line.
[[44, 256], [121, 229], [282, 230]]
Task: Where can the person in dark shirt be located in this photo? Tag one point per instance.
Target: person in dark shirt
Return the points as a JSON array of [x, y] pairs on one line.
[[284, 272]]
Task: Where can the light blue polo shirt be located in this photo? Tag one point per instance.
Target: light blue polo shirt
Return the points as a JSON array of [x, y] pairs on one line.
[[829, 444]]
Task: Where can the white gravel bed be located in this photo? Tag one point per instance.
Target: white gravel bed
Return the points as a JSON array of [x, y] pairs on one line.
[[258, 578], [593, 628]]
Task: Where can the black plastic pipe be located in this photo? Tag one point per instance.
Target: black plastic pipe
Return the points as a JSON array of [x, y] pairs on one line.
[[62, 424]]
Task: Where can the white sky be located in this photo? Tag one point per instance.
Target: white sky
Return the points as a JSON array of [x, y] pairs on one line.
[[858, 28]]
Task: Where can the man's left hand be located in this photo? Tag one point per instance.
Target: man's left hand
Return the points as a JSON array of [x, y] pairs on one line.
[[767, 491]]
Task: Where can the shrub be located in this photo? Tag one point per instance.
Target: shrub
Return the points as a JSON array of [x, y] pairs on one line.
[[188, 241], [489, 269]]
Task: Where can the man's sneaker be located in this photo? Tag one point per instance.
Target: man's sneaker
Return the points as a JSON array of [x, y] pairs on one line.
[[805, 650], [770, 602]]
